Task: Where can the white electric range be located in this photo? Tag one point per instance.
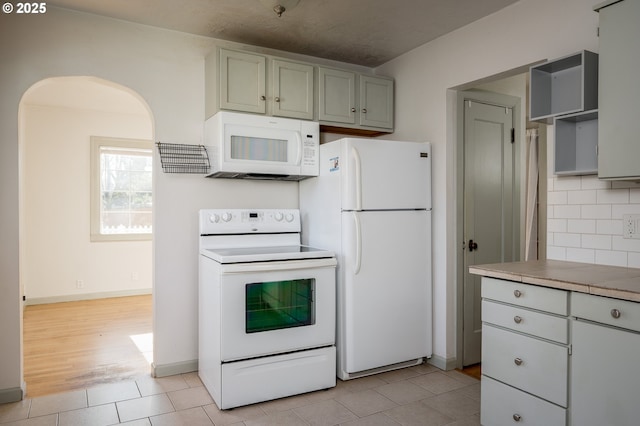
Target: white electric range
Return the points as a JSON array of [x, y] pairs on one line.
[[267, 307]]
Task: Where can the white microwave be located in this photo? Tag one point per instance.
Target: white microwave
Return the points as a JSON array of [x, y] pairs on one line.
[[246, 146]]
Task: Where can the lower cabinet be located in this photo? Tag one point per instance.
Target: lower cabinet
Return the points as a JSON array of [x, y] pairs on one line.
[[605, 380], [546, 364], [525, 354]]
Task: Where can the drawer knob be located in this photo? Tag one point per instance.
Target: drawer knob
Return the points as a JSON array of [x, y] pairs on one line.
[[518, 361], [517, 319], [517, 293], [615, 313], [517, 417]]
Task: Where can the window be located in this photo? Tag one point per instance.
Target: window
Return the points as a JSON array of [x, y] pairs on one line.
[[121, 189]]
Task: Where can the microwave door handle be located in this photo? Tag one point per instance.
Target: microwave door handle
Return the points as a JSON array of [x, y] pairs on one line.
[[299, 156], [358, 261]]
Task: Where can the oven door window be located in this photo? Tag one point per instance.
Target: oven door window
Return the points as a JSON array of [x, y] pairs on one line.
[[276, 305]]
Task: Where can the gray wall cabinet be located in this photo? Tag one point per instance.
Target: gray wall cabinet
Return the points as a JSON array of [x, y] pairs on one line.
[[564, 92], [358, 99], [243, 85], [343, 101], [576, 147], [618, 135], [242, 81], [564, 85]]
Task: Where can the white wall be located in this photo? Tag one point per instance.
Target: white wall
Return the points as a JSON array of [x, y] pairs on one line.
[[56, 246], [166, 69], [523, 33]]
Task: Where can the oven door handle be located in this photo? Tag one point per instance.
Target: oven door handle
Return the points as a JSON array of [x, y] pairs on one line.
[[358, 262], [285, 265]]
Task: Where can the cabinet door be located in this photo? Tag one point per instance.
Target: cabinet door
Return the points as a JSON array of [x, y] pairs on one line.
[[376, 102], [292, 90], [242, 81], [605, 381], [337, 95], [619, 91]]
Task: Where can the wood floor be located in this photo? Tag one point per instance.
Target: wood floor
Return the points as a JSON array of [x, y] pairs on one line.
[[75, 345], [473, 371]]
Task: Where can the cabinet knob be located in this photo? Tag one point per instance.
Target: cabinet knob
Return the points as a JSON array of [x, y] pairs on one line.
[[517, 417], [517, 319], [517, 293], [277, 99], [353, 110], [518, 361], [364, 110], [263, 98], [616, 313]]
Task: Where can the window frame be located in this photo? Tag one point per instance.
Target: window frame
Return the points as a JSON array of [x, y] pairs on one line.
[[97, 142]]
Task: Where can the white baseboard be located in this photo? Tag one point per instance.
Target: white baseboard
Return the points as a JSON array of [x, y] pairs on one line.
[[86, 296], [445, 364], [174, 368]]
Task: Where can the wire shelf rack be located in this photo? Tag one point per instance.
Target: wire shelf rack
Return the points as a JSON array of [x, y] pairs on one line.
[[181, 158]]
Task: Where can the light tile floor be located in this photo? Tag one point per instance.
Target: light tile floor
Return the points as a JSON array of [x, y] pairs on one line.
[[420, 395]]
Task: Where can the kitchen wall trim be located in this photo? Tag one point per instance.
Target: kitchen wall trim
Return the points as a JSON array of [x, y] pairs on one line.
[[87, 296], [172, 369]]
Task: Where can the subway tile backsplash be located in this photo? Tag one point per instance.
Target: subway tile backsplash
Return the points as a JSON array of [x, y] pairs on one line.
[[584, 220]]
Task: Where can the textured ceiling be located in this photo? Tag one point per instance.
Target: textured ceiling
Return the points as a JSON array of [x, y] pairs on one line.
[[363, 32]]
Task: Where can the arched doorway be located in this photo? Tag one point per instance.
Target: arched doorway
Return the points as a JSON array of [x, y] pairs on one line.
[[59, 260]]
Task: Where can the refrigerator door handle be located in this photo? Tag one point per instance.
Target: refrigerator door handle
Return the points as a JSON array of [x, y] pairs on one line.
[[358, 176], [358, 262]]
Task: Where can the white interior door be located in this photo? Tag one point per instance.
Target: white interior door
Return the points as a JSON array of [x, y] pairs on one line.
[[386, 175], [386, 288], [490, 221]]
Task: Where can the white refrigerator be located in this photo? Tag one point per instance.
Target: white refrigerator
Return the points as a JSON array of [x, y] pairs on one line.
[[371, 205]]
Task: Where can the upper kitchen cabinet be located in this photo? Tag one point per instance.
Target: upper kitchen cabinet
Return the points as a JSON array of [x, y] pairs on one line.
[[618, 136], [563, 86], [337, 96], [242, 81], [342, 100], [238, 81], [564, 92], [292, 89], [376, 102], [360, 102]]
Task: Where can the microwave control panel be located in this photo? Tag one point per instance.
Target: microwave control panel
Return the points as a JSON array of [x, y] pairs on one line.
[[310, 135]]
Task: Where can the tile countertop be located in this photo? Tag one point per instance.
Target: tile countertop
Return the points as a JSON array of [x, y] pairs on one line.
[[610, 281]]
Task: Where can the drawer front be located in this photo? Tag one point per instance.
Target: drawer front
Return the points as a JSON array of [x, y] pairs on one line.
[[504, 405], [526, 321], [526, 295], [529, 364], [615, 312]]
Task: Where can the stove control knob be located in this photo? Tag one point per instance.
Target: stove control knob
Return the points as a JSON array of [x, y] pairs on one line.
[[214, 218], [279, 216], [289, 217], [226, 216]]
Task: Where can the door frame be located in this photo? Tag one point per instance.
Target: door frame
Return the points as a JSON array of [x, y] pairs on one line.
[[506, 101]]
